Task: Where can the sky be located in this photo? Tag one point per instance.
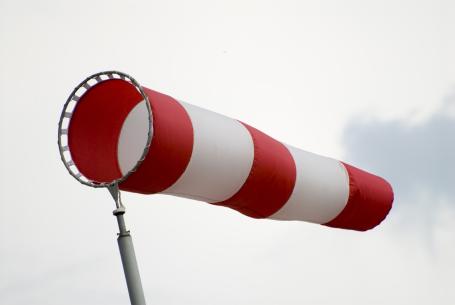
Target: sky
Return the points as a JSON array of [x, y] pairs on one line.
[[371, 83]]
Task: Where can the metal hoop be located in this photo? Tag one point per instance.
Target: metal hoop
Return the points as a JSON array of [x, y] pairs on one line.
[[65, 118]]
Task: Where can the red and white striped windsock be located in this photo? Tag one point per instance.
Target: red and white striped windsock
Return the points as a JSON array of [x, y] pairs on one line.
[[199, 154]]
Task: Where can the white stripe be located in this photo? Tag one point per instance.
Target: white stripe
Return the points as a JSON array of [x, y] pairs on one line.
[[321, 189], [221, 160], [133, 137]]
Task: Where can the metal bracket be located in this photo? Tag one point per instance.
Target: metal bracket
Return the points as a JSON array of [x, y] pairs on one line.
[[115, 193]]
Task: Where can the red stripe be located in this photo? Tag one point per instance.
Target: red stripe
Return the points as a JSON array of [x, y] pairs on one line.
[[370, 200], [95, 128], [170, 150], [271, 179]]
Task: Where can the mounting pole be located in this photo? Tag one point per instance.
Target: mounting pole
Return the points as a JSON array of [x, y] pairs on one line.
[[125, 244]]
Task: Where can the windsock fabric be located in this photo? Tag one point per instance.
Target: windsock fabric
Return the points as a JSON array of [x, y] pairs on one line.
[[199, 154]]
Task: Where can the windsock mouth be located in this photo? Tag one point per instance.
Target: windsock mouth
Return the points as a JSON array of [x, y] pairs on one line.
[[105, 129]]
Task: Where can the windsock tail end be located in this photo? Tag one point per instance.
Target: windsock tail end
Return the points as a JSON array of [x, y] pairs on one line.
[[370, 200]]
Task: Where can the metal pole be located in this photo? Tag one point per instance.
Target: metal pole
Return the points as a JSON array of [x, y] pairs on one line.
[[130, 268], [125, 245]]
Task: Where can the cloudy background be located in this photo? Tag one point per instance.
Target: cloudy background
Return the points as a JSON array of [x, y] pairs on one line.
[[368, 82]]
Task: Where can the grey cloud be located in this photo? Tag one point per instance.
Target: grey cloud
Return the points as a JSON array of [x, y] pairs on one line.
[[417, 159]]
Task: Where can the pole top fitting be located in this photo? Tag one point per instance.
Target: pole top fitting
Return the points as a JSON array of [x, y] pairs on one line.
[[119, 211]]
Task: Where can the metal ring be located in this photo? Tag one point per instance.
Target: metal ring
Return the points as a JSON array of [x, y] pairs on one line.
[[65, 118]]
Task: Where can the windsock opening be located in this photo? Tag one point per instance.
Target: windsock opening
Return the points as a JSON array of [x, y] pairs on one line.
[[109, 130]]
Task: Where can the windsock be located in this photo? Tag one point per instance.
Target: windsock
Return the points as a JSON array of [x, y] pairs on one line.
[[117, 130]]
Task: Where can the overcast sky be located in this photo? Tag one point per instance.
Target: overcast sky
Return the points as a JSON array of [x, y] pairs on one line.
[[368, 82]]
